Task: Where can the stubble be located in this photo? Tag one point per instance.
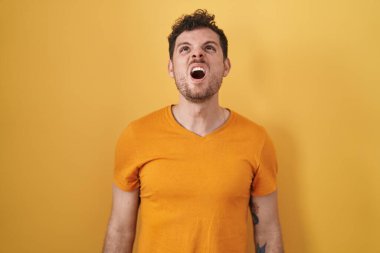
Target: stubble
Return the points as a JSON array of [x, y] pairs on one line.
[[202, 95]]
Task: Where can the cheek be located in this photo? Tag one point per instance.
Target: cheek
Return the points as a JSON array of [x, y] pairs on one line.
[[219, 70], [179, 67]]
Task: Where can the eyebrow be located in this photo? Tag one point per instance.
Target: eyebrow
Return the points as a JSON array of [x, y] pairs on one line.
[[187, 43], [210, 42], [182, 43]]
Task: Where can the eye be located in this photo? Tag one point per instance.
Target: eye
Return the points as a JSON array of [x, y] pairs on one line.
[[210, 48], [184, 49]]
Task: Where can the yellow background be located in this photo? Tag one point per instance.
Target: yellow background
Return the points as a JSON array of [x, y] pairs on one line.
[[74, 73]]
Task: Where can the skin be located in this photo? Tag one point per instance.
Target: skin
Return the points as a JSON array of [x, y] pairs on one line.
[[122, 224], [198, 111], [264, 210]]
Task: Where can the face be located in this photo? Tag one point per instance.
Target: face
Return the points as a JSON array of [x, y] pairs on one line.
[[198, 65]]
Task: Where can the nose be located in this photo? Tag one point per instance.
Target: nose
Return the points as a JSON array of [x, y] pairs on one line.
[[197, 54]]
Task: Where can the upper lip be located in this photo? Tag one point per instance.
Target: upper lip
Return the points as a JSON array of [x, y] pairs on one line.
[[198, 64]]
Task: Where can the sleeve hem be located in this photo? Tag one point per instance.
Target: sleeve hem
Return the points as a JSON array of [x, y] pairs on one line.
[[124, 187], [264, 193]]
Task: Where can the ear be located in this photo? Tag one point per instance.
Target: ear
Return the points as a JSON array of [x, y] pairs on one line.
[[227, 67], [170, 68]]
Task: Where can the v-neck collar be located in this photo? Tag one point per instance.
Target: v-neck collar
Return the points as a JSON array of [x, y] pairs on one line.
[[187, 132]]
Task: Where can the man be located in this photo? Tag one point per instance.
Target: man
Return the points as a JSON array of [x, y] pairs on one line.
[[194, 168]]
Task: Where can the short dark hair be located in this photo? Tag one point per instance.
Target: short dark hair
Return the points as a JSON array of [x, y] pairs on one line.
[[199, 19]]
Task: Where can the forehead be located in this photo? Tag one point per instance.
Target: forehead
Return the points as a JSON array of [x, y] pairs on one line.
[[200, 35]]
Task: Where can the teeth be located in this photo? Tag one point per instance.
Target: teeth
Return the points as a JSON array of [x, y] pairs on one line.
[[197, 69]]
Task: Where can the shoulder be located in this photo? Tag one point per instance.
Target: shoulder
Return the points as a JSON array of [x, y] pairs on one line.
[[248, 127], [146, 123], [152, 117]]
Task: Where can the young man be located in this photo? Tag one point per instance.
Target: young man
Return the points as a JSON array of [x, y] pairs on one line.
[[194, 168]]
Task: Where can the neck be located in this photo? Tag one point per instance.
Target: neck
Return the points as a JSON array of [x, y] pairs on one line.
[[200, 118]]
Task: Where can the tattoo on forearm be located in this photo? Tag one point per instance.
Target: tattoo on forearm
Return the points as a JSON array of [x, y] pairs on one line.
[[260, 249], [254, 209], [255, 218]]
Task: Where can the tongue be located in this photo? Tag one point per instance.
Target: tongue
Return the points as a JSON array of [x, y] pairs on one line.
[[198, 74]]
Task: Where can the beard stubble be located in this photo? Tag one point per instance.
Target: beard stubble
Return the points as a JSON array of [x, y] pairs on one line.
[[215, 82]]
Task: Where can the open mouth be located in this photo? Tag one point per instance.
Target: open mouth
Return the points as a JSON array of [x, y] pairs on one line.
[[197, 73]]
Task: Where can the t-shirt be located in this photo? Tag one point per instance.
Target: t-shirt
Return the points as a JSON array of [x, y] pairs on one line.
[[194, 190]]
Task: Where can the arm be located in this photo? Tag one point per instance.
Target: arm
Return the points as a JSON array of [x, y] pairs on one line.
[[122, 224], [266, 224]]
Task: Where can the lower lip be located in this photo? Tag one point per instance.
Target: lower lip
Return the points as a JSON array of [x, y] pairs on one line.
[[197, 80]]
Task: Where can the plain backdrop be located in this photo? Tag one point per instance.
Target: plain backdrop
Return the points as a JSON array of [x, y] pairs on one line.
[[73, 74]]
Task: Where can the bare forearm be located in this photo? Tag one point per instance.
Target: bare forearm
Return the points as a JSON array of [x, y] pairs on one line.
[[118, 241], [268, 241], [268, 238]]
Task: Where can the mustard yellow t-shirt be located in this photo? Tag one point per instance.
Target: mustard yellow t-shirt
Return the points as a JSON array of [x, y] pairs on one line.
[[194, 190]]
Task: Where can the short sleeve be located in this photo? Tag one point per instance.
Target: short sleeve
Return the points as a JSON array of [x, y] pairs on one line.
[[126, 171], [264, 181]]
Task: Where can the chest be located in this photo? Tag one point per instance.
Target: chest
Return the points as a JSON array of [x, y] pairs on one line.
[[206, 171]]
